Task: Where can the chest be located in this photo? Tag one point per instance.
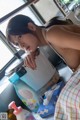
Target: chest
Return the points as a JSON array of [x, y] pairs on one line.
[[69, 56]]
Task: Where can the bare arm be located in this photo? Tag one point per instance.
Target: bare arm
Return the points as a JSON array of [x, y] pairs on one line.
[[63, 38], [30, 59]]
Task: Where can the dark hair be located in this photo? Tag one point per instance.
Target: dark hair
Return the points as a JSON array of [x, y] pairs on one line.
[[18, 26], [58, 21]]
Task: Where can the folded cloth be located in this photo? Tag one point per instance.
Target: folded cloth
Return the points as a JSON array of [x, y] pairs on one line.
[[68, 103]]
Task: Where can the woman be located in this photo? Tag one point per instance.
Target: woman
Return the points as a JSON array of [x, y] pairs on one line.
[[64, 39]]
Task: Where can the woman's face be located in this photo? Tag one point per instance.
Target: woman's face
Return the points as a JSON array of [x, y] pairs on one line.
[[27, 42]]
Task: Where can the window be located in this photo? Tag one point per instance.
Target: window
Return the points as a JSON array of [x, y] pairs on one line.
[[8, 6], [7, 52], [24, 11], [47, 12]]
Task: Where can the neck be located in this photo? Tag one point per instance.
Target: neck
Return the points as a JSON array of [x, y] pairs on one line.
[[41, 33]]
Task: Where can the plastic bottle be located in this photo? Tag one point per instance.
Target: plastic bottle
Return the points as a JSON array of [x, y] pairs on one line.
[[20, 113], [25, 93]]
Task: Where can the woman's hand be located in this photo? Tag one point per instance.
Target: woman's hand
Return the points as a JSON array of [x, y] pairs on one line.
[[30, 60]]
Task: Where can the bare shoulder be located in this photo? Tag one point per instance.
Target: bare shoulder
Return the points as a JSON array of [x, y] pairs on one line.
[[54, 34], [60, 29], [53, 29], [63, 35]]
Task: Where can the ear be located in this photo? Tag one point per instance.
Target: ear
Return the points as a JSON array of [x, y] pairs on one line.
[[31, 26]]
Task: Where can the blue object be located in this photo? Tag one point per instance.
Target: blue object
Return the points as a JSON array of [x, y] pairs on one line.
[[26, 94], [56, 92], [45, 111], [49, 109], [14, 78]]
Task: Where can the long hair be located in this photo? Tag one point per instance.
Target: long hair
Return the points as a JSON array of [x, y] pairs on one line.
[[58, 21]]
